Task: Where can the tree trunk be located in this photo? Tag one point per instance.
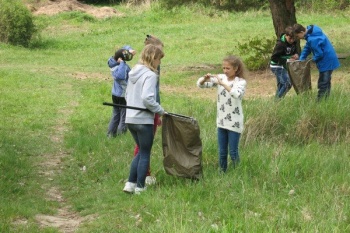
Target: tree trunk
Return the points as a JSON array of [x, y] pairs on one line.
[[283, 14]]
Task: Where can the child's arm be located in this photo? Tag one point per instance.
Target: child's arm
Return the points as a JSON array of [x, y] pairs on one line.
[[121, 72], [238, 89], [206, 81], [306, 51]]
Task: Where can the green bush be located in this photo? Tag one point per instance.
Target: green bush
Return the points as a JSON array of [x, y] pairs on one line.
[[256, 52], [16, 23]]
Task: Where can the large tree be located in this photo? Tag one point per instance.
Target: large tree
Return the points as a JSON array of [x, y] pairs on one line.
[[283, 14]]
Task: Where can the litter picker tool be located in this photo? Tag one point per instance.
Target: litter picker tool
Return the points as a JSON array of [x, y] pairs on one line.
[[125, 106], [142, 109]]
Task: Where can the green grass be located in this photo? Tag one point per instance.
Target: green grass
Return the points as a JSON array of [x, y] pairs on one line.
[[294, 172]]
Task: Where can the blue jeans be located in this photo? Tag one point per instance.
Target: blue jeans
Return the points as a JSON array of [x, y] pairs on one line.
[[283, 81], [117, 123], [143, 136], [324, 84], [228, 139]]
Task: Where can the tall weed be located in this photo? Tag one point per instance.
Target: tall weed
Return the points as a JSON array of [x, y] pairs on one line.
[[300, 120]]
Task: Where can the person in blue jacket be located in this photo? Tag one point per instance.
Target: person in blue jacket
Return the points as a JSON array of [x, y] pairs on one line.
[[120, 73], [324, 55]]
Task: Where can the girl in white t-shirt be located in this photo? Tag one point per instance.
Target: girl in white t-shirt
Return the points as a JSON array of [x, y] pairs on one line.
[[231, 88]]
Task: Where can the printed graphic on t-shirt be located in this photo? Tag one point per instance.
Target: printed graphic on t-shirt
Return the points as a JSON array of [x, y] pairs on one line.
[[223, 92], [236, 111], [228, 117], [236, 125]]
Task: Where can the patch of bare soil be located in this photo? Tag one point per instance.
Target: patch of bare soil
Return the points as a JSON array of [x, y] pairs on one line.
[[65, 220], [98, 76], [259, 84], [57, 6]]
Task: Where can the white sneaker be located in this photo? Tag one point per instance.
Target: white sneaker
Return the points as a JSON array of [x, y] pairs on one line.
[[139, 190], [150, 180], [129, 187]]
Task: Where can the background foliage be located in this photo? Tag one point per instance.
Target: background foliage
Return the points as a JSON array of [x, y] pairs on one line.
[[257, 52], [16, 23]]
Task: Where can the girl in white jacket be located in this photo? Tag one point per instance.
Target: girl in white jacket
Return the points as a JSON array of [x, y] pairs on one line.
[[231, 87]]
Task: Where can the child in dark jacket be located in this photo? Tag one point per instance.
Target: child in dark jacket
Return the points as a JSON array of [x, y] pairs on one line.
[[120, 73], [285, 48]]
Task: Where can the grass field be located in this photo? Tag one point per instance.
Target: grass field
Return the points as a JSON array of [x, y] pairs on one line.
[[60, 173]]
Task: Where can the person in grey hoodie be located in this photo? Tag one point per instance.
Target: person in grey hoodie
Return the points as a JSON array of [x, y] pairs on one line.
[[120, 73], [151, 39], [141, 92]]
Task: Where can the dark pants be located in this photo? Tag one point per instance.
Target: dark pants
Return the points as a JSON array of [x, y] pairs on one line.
[[155, 126], [117, 123], [143, 136], [324, 84]]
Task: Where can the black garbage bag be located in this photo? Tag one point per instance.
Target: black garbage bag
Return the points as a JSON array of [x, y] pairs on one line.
[[182, 146], [300, 75]]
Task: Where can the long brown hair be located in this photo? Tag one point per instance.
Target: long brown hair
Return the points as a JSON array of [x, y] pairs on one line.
[[149, 53], [236, 62]]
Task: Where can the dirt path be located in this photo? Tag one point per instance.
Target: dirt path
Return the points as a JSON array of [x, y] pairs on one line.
[[65, 219]]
